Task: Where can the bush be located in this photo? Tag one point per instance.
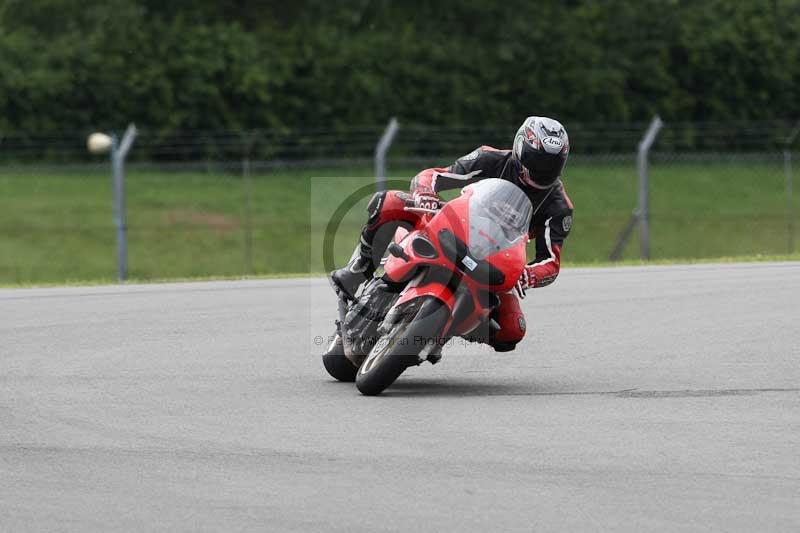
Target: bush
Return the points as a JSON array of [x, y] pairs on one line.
[[76, 65]]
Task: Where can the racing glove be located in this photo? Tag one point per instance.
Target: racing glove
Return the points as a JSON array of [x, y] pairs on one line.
[[527, 280], [528, 277], [426, 200]]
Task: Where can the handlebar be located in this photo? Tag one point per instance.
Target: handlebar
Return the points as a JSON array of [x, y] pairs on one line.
[[421, 210]]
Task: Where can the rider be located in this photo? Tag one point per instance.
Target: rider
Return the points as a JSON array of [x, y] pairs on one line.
[[540, 150]]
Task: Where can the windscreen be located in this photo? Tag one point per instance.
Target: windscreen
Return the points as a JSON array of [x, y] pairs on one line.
[[499, 216]]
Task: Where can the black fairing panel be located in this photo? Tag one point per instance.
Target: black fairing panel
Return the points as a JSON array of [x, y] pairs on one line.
[[455, 250]]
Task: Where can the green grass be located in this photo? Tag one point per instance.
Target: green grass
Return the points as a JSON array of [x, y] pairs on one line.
[[56, 226]]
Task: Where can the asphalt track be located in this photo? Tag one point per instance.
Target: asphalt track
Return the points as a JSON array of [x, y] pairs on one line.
[[661, 398]]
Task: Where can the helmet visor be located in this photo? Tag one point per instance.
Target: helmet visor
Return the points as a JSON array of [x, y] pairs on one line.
[[543, 168]]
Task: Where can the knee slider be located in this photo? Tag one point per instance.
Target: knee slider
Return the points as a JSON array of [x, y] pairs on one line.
[[503, 346]]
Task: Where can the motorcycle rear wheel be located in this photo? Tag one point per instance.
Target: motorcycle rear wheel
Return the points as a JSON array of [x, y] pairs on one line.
[[337, 364], [401, 347]]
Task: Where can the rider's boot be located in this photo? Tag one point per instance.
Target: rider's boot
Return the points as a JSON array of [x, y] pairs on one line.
[[349, 278]]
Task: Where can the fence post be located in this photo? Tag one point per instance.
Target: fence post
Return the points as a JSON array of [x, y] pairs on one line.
[[644, 183], [787, 168], [642, 213], [247, 180], [119, 150], [380, 153]]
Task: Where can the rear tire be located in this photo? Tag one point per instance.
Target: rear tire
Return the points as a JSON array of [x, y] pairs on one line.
[[401, 347], [337, 364]]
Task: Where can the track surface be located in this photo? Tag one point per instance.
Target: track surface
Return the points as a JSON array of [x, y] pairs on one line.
[[662, 398]]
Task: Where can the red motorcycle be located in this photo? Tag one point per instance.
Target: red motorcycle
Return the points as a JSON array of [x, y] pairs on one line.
[[441, 280]]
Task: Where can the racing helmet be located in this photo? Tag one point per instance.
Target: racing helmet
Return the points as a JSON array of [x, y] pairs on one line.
[[541, 146]]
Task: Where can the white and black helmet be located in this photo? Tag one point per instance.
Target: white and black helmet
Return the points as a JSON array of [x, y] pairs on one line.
[[541, 145]]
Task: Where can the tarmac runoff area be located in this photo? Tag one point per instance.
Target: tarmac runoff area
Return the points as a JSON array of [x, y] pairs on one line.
[[653, 398]]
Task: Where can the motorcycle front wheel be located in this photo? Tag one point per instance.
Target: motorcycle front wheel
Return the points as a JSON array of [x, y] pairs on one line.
[[401, 347]]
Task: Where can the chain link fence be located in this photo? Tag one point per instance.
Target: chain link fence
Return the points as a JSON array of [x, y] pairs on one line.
[[237, 203]]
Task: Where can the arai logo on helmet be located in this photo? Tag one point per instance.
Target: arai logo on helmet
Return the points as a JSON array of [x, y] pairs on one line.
[[552, 144]]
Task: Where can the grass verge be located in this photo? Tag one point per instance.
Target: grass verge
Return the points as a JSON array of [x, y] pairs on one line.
[[56, 225]]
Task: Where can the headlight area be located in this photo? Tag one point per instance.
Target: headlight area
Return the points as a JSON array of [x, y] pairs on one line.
[[424, 248]]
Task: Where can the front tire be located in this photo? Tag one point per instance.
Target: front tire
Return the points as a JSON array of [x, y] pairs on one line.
[[337, 364], [402, 346]]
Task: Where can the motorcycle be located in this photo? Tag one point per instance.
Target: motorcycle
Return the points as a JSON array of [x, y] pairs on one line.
[[441, 280]]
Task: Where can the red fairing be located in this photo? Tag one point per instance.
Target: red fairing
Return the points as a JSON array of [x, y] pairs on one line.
[[436, 290], [545, 272], [453, 217], [425, 181], [508, 261], [398, 269], [450, 217]]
